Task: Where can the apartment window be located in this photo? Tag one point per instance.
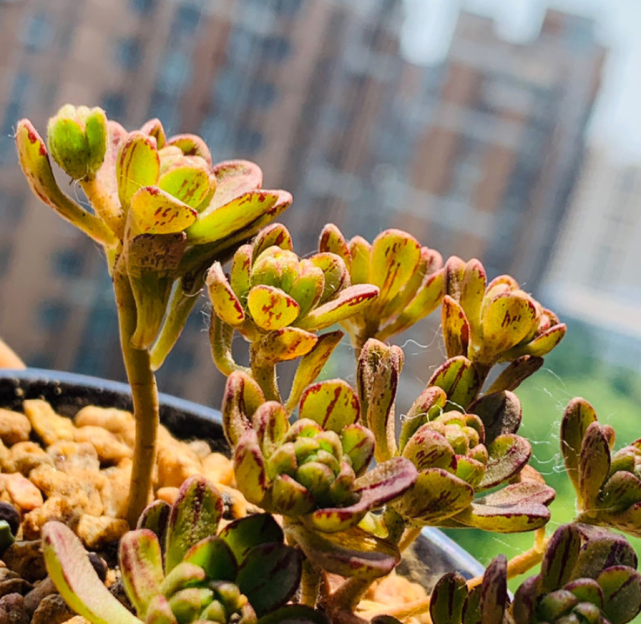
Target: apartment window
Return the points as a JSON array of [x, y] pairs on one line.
[[248, 140], [287, 7], [228, 88], [262, 94], [143, 6], [128, 53], [174, 72], [68, 263], [241, 45], [114, 105], [38, 33], [187, 19], [52, 315]]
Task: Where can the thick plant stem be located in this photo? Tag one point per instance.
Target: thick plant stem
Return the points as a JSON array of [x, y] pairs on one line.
[[310, 584], [348, 595], [409, 537], [145, 399], [105, 205], [264, 374]]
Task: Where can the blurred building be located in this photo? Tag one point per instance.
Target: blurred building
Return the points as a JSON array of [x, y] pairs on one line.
[[595, 275], [475, 156]]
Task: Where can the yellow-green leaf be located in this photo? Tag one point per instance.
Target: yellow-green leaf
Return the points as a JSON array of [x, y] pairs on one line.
[[156, 212], [138, 165], [333, 404], [271, 308]]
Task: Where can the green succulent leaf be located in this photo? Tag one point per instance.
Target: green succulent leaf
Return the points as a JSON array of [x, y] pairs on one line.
[[560, 558], [223, 299], [249, 466], [509, 453], [500, 412], [347, 303], [215, 557], [274, 235], [621, 593], [335, 275], [286, 344], [430, 403], [68, 144], [269, 576], [242, 398], [459, 379], [194, 516], [358, 442], [192, 145], [183, 576], [311, 365], [333, 241], [140, 562], [138, 166], [332, 404], [155, 517], [455, 327], [578, 416], [594, 465], [542, 344], [271, 308], [75, 578], [515, 373], [246, 533], [436, 495], [187, 180], [448, 599], [271, 425], [494, 598], [187, 604], [160, 612], [360, 251], [353, 552], [429, 449], [601, 550]]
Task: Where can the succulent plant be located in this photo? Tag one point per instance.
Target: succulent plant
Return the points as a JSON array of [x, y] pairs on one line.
[[163, 213], [278, 302], [177, 569], [587, 575], [608, 484], [410, 279], [458, 454], [496, 322], [487, 603]]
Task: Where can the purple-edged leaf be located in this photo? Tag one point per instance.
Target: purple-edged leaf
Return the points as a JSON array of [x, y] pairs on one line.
[[215, 557], [429, 449], [140, 563], [620, 492], [578, 416], [194, 516], [240, 273], [379, 368], [286, 344], [525, 599], [500, 412], [594, 465], [184, 575], [358, 442], [242, 398], [187, 180], [602, 549], [448, 598], [513, 509], [469, 469], [459, 379], [454, 274], [188, 604], [472, 290], [274, 235], [380, 485], [494, 598], [508, 454], [290, 498], [333, 241], [621, 593], [628, 520], [295, 614], [347, 303], [192, 145], [436, 495], [515, 373], [307, 287], [246, 533], [269, 576], [456, 330], [73, 575], [506, 319], [394, 257], [271, 308], [430, 404], [160, 612], [217, 223], [154, 128], [249, 468], [155, 517], [353, 552], [541, 345], [311, 365], [586, 590], [556, 604], [226, 304], [333, 404], [560, 557], [271, 425], [138, 166], [235, 178]]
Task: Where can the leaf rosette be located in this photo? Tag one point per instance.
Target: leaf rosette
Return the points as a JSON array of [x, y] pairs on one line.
[[177, 568], [587, 575], [410, 279]]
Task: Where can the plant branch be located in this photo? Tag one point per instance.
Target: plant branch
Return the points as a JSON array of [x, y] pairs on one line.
[[310, 584], [409, 537], [105, 205], [145, 399], [264, 374]]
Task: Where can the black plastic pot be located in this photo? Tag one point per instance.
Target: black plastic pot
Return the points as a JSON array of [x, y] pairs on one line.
[[434, 553]]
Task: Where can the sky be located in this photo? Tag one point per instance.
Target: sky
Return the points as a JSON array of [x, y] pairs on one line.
[[616, 122]]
